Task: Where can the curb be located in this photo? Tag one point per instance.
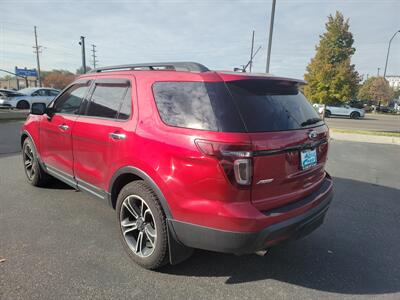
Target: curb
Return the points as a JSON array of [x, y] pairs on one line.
[[364, 138], [13, 115]]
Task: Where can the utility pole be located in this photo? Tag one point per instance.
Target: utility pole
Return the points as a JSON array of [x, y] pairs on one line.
[[271, 30], [251, 52], [94, 56], [387, 55], [37, 51], [82, 43]]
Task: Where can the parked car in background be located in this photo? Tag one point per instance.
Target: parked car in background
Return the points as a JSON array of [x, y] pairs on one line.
[[385, 109], [5, 94], [344, 110], [25, 97]]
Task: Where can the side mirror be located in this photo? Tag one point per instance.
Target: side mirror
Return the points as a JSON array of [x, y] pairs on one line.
[[50, 112], [38, 108]]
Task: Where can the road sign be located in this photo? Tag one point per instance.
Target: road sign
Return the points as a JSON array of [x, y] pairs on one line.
[[26, 72]]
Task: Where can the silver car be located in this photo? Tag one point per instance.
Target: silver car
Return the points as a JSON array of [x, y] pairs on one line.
[[342, 110], [26, 97]]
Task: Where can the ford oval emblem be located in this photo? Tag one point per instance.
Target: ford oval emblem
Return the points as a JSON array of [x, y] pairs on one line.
[[312, 135]]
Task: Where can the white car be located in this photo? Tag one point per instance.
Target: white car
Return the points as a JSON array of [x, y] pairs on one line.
[[342, 110], [25, 97]]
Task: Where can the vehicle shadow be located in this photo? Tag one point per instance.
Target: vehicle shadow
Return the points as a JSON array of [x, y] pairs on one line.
[[356, 250], [56, 184]]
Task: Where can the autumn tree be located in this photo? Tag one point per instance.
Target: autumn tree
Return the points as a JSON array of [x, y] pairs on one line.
[[57, 79], [376, 89], [330, 76]]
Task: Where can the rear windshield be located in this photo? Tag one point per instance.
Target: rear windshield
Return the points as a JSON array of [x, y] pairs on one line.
[[272, 106], [234, 106]]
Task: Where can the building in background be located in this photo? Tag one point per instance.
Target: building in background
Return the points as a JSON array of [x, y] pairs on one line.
[[11, 83], [394, 81]]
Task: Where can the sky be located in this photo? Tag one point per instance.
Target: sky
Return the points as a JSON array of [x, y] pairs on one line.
[[215, 33]]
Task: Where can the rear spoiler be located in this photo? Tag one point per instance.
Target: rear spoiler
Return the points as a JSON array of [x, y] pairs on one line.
[[229, 76]]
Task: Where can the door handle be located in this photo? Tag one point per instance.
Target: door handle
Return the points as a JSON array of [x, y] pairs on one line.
[[63, 127], [117, 136]]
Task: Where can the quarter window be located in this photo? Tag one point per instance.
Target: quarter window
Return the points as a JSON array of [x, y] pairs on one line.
[[197, 105]]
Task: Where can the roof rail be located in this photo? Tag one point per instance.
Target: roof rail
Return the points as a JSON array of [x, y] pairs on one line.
[[175, 66]]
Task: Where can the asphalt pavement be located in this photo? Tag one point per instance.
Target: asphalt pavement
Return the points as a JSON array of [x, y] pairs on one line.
[[374, 122], [61, 244], [10, 136]]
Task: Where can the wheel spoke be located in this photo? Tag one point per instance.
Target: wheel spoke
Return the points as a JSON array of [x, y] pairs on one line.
[[147, 211], [151, 236], [28, 153], [139, 243], [141, 209], [129, 229], [127, 223], [129, 207], [28, 163], [128, 226]]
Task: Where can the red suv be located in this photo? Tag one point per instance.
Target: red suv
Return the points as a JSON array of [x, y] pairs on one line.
[[188, 157]]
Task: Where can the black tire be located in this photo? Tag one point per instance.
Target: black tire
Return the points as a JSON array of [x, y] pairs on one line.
[[159, 254], [23, 104], [355, 115], [33, 171], [327, 113]]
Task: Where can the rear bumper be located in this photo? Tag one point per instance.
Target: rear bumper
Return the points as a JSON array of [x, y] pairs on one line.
[[207, 238]]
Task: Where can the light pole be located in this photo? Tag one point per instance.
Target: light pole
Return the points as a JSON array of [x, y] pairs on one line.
[[387, 55], [271, 30], [82, 43]]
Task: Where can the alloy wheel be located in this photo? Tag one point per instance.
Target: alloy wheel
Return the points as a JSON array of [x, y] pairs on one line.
[[138, 226], [29, 161]]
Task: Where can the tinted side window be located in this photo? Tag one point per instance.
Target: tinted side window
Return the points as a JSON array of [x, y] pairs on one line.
[[70, 101], [197, 105], [107, 99]]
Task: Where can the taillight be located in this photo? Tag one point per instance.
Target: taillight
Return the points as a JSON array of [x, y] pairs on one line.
[[235, 159]]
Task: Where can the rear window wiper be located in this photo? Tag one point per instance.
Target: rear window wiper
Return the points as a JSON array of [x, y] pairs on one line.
[[310, 121]]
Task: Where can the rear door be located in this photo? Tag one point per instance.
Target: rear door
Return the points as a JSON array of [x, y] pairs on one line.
[[102, 135], [283, 128]]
